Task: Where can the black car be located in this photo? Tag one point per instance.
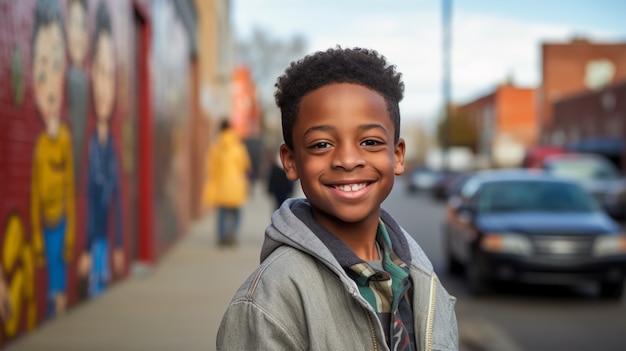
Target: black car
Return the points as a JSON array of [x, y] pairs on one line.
[[530, 227]]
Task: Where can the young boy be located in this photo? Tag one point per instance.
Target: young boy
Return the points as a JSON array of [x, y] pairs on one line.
[[337, 271]]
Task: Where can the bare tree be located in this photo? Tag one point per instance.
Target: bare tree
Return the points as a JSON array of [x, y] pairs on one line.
[[458, 130], [267, 57]]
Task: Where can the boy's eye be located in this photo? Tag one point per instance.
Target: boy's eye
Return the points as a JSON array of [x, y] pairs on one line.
[[371, 142], [321, 145]]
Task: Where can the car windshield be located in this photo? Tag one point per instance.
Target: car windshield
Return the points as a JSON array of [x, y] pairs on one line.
[[534, 196], [583, 169]]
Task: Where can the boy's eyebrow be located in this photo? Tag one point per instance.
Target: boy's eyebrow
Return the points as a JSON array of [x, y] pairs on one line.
[[323, 128], [372, 126], [326, 127]]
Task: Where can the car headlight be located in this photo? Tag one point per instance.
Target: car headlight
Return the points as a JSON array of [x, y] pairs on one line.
[[607, 245], [507, 243]]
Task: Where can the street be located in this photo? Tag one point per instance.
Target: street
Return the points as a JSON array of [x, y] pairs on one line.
[[519, 318]]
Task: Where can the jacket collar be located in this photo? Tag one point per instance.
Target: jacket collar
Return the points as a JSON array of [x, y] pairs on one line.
[[344, 255]]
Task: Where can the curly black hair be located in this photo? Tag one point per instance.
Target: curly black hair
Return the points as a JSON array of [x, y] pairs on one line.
[[339, 65]]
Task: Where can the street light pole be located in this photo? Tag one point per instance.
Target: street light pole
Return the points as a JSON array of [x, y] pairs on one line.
[[446, 126]]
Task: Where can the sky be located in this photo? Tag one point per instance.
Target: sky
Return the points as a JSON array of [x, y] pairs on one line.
[[491, 40]]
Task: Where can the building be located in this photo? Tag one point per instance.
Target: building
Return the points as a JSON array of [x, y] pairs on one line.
[[104, 123], [593, 121], [576, 67], [504, 124], [246, 116]]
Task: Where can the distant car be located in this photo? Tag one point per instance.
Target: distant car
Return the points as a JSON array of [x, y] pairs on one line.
[[596, 174], [535, 155], [423, 179], [530, 227], [449, 184]]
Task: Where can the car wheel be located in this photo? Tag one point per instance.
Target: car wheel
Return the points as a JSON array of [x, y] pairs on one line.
[[478, 283], [611, 291]]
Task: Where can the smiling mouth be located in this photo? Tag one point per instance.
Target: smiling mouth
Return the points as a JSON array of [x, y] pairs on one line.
[[351, 187]]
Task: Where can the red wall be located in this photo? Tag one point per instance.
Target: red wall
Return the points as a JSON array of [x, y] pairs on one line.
[[564, 70], [513, 110], [594, 116], [517, 113]]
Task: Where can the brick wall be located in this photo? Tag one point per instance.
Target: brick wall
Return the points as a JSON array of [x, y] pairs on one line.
[[570, 68]]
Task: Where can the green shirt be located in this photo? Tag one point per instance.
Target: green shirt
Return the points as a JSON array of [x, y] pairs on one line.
[[388, 292]]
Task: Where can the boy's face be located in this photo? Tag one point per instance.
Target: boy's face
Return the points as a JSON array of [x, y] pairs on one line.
[[344, 153], [48, 72], [103, 77]]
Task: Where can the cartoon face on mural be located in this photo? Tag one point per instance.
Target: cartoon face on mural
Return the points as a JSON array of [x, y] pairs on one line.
[[48, 64], [103, 66], [77, 31]]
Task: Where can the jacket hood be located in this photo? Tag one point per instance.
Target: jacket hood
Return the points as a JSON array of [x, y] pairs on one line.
[[293, 225]]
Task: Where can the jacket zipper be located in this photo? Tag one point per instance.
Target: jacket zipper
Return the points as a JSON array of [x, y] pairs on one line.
[[355, 295], [372, 330], [431, 314]]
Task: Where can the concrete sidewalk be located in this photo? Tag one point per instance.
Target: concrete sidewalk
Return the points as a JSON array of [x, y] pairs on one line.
[[178, 304]]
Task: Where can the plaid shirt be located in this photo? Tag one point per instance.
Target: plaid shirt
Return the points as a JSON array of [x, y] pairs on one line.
[[389, 293]]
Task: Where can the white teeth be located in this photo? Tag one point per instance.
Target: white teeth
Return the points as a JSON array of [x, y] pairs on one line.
[[351, 187]]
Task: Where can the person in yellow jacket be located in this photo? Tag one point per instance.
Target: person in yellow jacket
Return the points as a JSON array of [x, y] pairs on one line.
[[226, 188]]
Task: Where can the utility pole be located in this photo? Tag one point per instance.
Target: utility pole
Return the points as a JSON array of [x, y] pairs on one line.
[[446, 22]]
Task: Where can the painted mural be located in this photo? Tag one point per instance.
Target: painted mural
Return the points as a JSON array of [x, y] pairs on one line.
[[52, 208], [68, 145], [17, 287], [103, 179], [47, 248], [76, 79]]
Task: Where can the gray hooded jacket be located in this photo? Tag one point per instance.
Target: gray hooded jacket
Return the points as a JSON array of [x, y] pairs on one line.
[[300, 297]]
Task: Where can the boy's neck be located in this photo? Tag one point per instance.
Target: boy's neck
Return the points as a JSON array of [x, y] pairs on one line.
[[360, 237], [365, 250]]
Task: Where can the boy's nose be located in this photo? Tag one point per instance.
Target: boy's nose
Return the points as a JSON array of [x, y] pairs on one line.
[[348, 158]]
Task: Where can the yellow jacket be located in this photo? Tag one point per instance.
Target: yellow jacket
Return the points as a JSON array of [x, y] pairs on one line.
[[228, 164], [52, 190]]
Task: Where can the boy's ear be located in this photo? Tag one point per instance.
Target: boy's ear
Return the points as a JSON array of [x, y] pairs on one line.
[[398, 157], [288, 160]]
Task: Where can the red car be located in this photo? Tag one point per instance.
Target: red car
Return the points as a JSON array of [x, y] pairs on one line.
[[535, 156]]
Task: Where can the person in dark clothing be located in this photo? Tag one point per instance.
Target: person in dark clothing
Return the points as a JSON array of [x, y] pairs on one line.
[[278, 185]]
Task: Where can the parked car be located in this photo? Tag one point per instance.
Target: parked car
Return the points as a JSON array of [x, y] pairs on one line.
[[535, 155], [596, 174], [449, 184], [423, 179], [530, 227]]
